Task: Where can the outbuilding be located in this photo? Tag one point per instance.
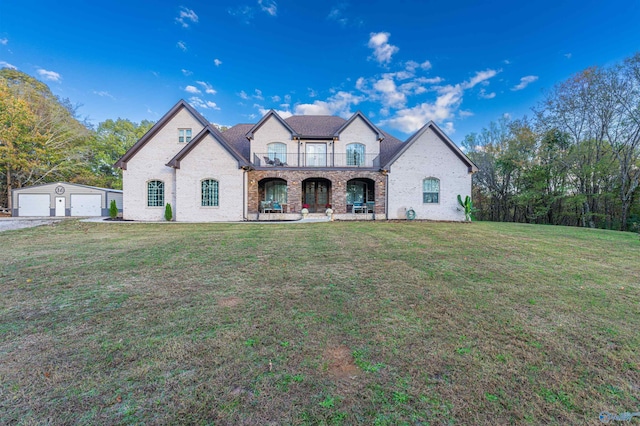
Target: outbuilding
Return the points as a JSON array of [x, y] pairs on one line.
[[64, 199]]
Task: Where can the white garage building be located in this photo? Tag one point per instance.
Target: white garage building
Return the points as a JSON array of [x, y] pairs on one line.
[[64, 199]]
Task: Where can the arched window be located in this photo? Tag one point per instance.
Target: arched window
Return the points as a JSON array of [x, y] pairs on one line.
[[209, 193], [430, 190], [275, 190], [155, 193], [355, 154], [277, 150]]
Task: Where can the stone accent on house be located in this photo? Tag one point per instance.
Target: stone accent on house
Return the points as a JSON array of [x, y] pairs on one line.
[[337, 195]]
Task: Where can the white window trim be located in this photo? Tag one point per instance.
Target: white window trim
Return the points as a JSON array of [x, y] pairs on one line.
[[164, 190], [439, 190], [186, 134], [200, 193]]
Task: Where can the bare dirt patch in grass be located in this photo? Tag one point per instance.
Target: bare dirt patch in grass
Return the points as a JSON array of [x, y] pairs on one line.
[[340, 362], [230, 302]]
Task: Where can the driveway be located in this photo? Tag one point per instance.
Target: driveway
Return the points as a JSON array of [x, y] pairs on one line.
[[11, 223]]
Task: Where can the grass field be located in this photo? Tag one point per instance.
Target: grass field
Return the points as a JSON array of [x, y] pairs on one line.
[[332, 323]]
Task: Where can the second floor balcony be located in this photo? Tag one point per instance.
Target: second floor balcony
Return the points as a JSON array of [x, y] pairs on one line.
[[317, 159]]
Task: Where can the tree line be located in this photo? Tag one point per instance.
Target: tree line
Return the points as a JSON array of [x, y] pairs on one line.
[[576, 162], [42, 140]]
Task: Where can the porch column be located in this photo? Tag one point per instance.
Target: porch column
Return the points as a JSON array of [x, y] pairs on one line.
[[294, 195], [339, 195]]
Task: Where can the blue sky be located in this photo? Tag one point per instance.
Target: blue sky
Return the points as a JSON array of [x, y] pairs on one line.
[[402, 63]]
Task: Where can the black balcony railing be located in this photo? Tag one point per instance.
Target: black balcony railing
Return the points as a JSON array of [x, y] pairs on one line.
[[317, 160]]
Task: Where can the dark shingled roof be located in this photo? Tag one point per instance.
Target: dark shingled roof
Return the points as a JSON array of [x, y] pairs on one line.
[[237, 138], [388, 147], [324, 126]]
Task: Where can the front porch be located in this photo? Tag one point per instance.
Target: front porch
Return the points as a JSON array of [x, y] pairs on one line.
[[281, 195]]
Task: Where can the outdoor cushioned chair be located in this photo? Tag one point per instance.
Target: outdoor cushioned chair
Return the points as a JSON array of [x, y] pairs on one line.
[[268, 161], [359, 208]]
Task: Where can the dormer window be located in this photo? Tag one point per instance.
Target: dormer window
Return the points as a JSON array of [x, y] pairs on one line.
[[184, 135]]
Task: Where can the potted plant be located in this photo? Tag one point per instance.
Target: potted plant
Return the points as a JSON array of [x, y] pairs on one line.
[[305, 210], [329, 211]]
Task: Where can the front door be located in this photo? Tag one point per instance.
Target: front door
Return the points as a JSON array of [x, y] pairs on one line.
[[316, 194], [60, 206]]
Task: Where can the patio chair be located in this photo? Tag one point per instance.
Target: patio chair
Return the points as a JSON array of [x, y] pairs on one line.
[[359, 208], [268, 161]]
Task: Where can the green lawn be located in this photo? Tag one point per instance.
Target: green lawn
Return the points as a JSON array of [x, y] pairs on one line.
[[330, 323]]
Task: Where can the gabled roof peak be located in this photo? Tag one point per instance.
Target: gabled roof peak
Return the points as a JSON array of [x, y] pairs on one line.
[[267, 116], [180, 105]]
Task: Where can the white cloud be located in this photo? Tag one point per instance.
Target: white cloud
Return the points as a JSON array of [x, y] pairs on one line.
[[276, 98], [506, 62], [199, 103], [207, 87], [104, 94], [268, 6], [49, 75], [337, 14], [192, 89], [217, 62], [258, 95], [312, 93], [413, 65], [465, 114], [568, 55], [480, 77], [287, 98], [442, 110], [4, 64], [243, 95], [382, 50], [431, 80], [338, 104], [182, 46], [186, 17], [186, 72], [391, 97], [4, 41], [484, 95], [524, 82], [244, 13], [284, 113]]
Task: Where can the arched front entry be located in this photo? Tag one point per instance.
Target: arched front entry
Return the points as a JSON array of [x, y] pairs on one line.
[[316, 193], [272, 190], [361, 193]]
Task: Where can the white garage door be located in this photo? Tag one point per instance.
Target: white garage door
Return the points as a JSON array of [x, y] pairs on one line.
[[34, 205], [86, 205]]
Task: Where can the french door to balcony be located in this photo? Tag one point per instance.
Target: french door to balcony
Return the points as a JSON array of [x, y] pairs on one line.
[[316, 194], [316, 154]]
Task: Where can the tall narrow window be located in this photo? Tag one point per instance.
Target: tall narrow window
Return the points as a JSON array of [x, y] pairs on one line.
[[277, 150], [430, 190], [155, 193], [209, 193], [184, 135], [355, 154]]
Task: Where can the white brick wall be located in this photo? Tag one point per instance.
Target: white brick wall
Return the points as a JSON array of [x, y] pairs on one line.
[[359, 132], [428, 156], [273, 131], [149, 164], [209, 160]]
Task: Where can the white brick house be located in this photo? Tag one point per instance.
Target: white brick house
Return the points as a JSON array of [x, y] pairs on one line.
[[273, 169]]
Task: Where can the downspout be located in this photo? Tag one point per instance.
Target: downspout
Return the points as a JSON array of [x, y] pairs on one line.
[[386, 196], [244, 194]]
